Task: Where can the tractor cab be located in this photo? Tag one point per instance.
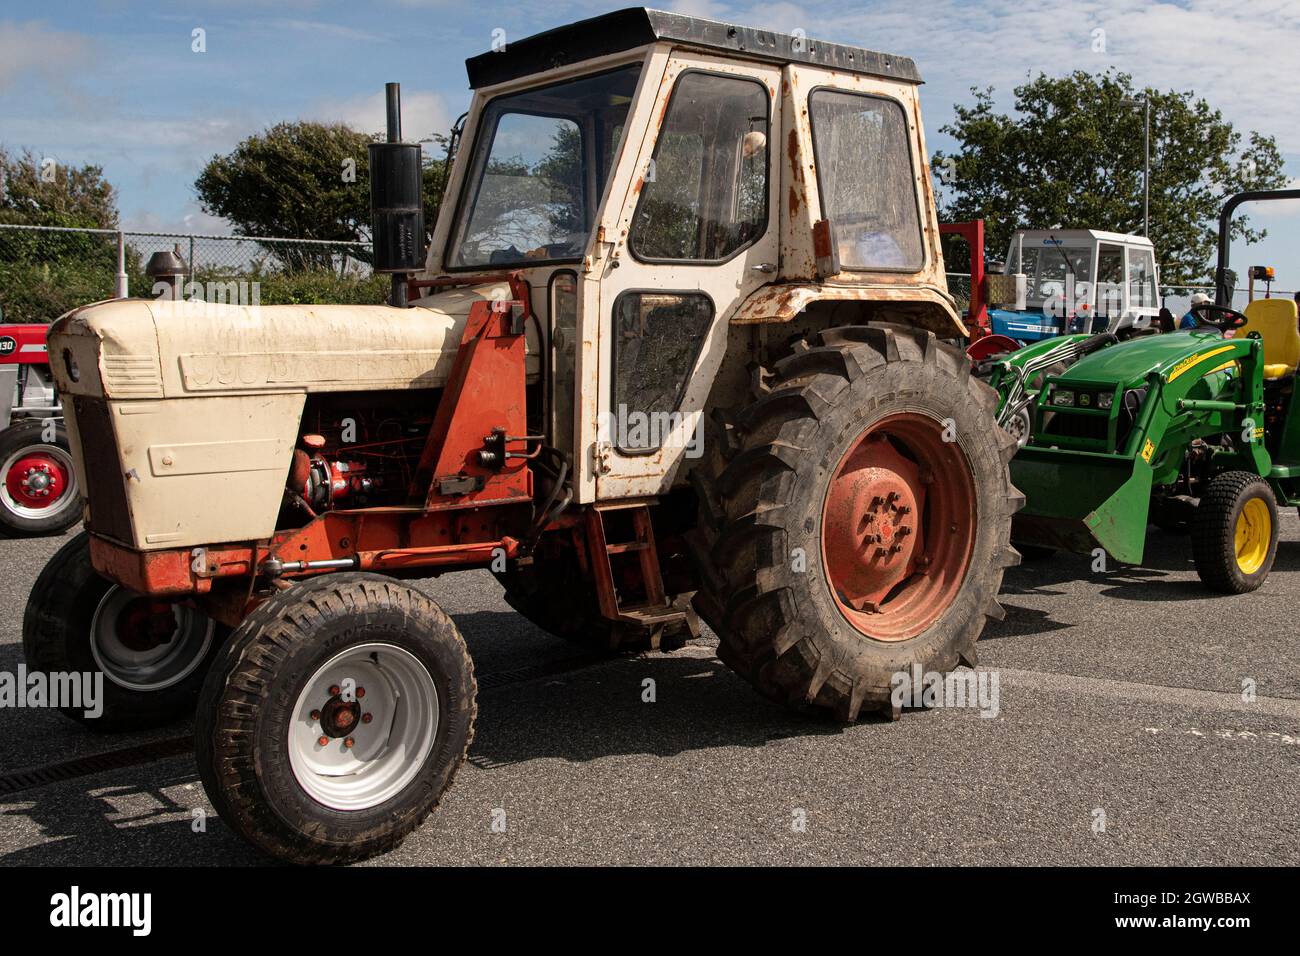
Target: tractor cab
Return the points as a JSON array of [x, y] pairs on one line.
[[1063, 281]]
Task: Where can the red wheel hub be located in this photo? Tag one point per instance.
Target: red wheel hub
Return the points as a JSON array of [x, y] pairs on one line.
[[898, 527], [36, 480], [144, 624]]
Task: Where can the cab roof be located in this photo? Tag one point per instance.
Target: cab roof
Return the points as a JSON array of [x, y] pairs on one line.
[[1080, 235], [638, 26]]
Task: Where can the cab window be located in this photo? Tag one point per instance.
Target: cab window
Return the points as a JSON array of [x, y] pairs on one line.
[[538, 171], [657, 339], [1110, 280], [705, 192], [1142, 279], [864, 172]]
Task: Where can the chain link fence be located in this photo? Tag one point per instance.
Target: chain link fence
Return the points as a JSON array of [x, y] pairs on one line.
[[47, 270], [959, 289]]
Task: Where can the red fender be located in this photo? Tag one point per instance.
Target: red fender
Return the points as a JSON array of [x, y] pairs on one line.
[[990, 345]]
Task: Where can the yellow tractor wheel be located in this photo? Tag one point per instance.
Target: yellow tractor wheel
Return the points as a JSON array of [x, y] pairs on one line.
[[1234, 534]]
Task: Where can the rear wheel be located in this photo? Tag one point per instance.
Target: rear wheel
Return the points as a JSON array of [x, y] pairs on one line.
[[859, 521], [335, 718], [152, 654], [1234, 533], [38, 485]]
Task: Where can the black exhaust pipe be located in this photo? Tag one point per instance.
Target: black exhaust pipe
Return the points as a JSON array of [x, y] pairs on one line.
[[397, 212]]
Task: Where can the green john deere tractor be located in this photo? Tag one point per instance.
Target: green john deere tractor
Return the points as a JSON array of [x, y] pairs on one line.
[[1199, 428]]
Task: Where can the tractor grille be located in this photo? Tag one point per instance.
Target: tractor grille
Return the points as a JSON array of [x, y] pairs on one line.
[[1065, 425], [105, 485]]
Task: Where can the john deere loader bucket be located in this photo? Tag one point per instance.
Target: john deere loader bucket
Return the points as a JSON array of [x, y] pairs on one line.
[[1079, 500]]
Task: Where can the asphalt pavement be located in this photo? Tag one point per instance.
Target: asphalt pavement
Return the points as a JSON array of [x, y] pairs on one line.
[[1126, 733]]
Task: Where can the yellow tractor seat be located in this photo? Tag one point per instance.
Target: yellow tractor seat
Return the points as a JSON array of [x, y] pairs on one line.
[[1275, 321]]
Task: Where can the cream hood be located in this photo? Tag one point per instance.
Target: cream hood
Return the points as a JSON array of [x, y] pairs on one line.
[[151, 349]]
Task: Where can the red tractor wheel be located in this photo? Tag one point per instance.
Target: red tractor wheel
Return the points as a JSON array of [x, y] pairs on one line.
[[38, 485], [898, 527], [856, 520]]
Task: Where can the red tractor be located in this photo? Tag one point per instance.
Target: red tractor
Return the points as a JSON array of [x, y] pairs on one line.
[[38, 485]]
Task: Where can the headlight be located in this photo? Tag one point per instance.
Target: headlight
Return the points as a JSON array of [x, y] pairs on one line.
[[1062, 397], [1105, 399]]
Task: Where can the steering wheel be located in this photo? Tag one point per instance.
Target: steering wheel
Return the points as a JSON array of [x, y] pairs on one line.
[[1224, 319]]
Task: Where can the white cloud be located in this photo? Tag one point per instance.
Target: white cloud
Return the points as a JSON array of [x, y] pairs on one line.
[[33, 48], [1240, 55], [423, 113], [708, 9], [322, 28], [1279, 209], [192, 221]]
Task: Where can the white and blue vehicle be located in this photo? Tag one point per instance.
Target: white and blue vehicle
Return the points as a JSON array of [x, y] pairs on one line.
[[1075, 280]]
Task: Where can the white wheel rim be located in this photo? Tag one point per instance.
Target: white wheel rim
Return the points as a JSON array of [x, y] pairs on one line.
[[1019, 427], [21, 510], [140, 664], [394, 688]]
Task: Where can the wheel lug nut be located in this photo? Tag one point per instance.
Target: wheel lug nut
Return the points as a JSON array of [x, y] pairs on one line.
[[315, 715], [361, 692], [323, 740], [334, 690], [348, 742], [367, 718]]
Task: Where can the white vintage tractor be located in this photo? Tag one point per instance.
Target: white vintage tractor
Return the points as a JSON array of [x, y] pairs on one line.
[[677, 347]]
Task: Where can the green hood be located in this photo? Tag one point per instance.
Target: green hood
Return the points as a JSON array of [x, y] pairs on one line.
[[1129, 363]]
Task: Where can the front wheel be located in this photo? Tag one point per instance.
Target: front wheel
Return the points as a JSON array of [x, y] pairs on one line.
[[38, 485], [1234, 532], [335, 718], [862, 521], [148, 656]]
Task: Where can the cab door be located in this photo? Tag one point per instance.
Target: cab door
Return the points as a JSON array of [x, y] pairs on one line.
[[695, 233], [1143, 285], [1110, 300]]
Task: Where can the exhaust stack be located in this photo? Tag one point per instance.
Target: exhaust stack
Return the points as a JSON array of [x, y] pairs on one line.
[[396, 209]]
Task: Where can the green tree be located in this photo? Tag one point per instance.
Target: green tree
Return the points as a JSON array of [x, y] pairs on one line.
[[44, 274], [1072, 157], [305, 181], [36, 193]]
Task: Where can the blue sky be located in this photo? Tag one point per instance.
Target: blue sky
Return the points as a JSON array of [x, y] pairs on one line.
[[115, 82]]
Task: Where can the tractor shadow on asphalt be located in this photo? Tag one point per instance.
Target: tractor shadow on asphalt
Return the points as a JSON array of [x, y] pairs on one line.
[[142, 815], [1288, 557], [661, 705], [116, 823], [1165, 555]]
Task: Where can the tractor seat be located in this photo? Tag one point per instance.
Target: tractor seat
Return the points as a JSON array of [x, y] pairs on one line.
[[1275, 321]]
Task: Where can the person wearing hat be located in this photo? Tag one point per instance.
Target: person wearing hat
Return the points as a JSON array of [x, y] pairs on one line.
[[1189, 321]]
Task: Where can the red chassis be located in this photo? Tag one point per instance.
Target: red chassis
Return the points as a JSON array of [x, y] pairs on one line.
[[473, 481]]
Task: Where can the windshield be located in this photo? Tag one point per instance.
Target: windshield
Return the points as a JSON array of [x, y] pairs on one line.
[[1052, 268], [539, 168]]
